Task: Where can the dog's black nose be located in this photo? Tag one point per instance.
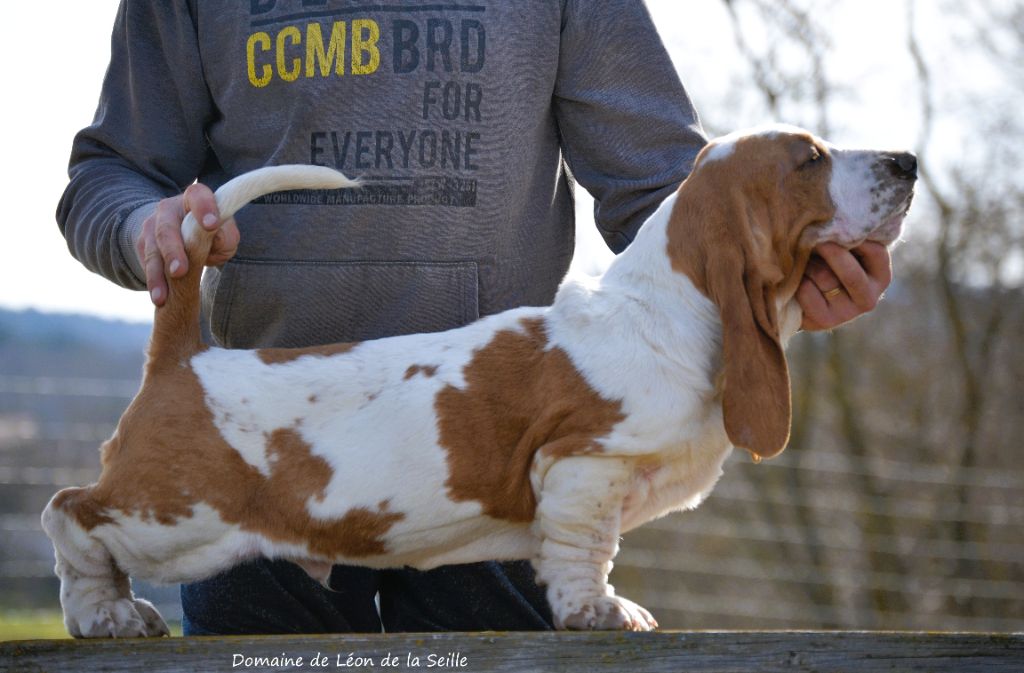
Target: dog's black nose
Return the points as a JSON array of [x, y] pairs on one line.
[[905, 165]]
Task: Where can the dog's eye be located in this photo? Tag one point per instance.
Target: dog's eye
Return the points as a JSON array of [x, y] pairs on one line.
[[812, 159]]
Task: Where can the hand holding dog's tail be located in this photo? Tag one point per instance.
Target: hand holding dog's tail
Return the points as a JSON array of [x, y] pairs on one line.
[[176, 331]]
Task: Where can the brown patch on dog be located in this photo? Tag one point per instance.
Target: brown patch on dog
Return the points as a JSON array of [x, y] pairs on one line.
[[742, 230], [277, 356], [520, 398], [86, 511], [166, 458], [426, 370], [297, 475]]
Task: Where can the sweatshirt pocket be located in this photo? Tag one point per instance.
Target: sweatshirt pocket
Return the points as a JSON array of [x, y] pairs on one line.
[[260, 303]]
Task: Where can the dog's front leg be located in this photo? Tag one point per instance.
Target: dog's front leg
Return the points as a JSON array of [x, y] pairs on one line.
[[578, 519]]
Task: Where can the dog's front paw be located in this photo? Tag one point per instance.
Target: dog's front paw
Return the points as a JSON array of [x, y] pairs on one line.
[[121, 618], [608, 613]]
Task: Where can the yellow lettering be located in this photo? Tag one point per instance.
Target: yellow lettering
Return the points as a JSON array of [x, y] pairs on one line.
[[334, 54], [319, 56], [363, 45], [292, 34], [250, 52]]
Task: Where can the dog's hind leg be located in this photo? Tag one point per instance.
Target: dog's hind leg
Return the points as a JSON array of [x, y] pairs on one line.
[[95, 594]]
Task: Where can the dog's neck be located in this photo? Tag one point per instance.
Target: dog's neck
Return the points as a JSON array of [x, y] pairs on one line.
[[644, 273], [640, 298]]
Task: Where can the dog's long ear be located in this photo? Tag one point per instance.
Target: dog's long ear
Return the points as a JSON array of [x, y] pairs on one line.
[[756, 397]]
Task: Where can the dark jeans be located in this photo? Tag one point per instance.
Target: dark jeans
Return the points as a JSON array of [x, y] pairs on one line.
[[279, 597]]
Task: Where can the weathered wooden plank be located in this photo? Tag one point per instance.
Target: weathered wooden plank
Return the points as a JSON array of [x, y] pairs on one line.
[[701, 652]]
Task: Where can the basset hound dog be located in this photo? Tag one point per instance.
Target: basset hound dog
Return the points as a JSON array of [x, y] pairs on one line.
[[538, 433]]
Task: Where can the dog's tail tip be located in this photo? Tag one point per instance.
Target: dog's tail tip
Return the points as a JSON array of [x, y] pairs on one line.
[[309, 176]]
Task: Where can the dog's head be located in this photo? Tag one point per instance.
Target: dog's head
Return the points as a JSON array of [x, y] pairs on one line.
[[743, 229]]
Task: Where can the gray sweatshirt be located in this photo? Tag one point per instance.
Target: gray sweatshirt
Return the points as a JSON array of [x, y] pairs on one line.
[[470, 120]]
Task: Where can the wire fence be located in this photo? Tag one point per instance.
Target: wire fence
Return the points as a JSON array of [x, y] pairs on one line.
[[753, 556]]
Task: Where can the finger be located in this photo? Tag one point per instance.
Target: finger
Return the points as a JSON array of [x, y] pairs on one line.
[[225, 243], [153, 265], [167, 234], [821, 275], [877, 262], [821, 313], [817, 314], [199, 201], [146, 233], [852, 276]]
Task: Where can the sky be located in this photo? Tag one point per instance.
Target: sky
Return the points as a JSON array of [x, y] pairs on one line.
[[54, 76]]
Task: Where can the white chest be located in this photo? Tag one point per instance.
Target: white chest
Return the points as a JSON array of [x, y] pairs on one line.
[[675, 480]]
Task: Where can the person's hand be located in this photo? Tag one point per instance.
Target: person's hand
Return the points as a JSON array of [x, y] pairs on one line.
[[840, 285], [160, 247]]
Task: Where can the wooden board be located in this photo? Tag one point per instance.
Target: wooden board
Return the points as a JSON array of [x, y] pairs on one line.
[[718, 652]]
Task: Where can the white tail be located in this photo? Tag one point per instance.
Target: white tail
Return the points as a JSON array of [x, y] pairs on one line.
[[239, 191]]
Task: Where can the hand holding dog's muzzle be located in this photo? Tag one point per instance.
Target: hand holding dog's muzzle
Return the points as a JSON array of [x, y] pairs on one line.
[[840, 285]]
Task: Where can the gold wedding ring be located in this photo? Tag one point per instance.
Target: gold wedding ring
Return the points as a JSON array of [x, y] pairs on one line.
[[833, 292]]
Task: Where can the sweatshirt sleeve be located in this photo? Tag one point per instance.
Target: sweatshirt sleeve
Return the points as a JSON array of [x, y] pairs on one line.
[[629, 131], [146, 142]]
